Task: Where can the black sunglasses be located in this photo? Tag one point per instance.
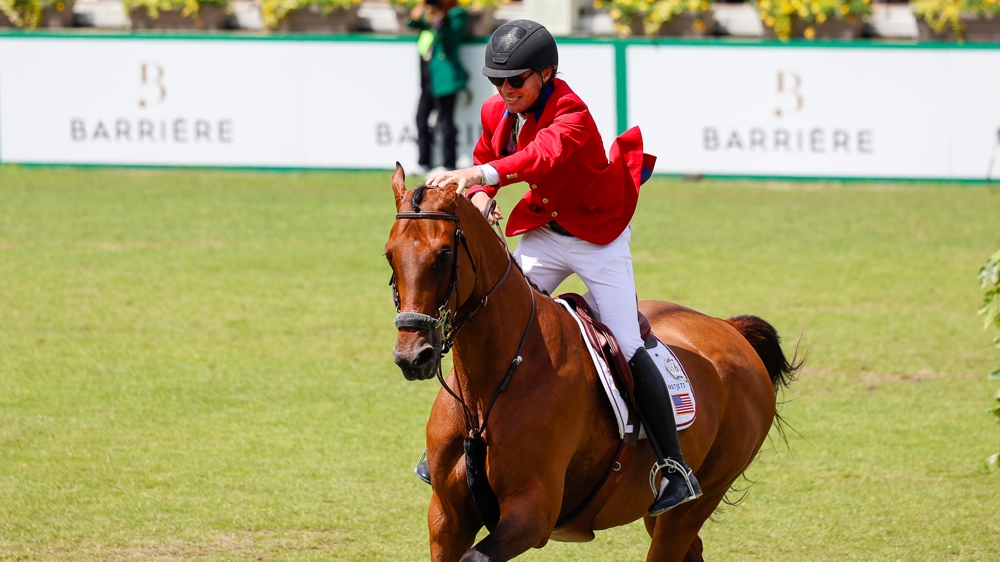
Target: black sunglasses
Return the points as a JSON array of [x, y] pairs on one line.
[[514, 81]]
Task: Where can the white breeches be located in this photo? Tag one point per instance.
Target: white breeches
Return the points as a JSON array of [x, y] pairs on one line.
[[548, 258]]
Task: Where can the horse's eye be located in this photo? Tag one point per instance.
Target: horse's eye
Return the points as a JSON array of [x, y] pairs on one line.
[[443, 257]]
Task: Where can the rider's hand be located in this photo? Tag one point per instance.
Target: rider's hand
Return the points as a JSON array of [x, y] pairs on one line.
[[466, 177], [482, 201]]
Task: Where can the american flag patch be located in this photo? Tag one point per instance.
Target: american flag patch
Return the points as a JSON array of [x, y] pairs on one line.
[[683, 404]]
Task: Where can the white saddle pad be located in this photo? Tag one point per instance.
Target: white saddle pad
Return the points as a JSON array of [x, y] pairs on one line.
[[681, 394]]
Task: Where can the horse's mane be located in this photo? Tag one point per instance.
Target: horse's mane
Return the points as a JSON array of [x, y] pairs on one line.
[[418, 197], [419, 194]]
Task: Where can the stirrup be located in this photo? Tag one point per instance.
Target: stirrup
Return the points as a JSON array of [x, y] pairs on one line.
[[671, 466], [422, 464]]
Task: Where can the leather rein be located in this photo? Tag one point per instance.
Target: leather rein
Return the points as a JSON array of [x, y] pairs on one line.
[[443, 326]]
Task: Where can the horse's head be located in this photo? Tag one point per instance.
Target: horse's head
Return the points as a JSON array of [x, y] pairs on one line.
[[423, 251]]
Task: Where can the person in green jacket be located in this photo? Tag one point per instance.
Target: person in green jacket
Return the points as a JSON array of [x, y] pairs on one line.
[[442, 26]]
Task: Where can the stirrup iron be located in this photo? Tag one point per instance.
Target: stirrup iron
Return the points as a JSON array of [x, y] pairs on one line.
[[420, 468], [671, 466]]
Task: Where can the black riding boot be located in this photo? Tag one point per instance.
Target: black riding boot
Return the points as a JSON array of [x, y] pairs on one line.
[[678, 483], [423, 470]]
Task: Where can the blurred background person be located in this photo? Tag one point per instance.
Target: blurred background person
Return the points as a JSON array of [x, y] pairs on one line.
[[442, 25]]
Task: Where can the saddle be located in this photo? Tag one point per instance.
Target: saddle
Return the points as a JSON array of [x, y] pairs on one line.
[[602, 338]]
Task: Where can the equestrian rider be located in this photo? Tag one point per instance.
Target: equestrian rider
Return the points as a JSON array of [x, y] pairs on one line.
[[575, 215]]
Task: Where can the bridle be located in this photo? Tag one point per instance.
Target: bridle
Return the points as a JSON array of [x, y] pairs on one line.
[[443, 326]]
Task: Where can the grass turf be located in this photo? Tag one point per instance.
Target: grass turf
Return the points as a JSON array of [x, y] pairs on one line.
[[195, 365]]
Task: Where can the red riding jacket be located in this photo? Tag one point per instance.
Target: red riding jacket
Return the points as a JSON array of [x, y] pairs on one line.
[[561, 156]]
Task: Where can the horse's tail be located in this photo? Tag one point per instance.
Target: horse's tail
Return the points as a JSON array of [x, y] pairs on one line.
[[765, 341]]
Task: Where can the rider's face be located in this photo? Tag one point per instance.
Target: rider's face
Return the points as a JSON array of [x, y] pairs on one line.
[[520, 99]]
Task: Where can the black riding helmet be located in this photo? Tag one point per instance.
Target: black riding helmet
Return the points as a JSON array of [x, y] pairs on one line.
[[517, 47]]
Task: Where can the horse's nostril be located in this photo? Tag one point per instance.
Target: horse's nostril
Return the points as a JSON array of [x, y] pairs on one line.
[[425, 357]]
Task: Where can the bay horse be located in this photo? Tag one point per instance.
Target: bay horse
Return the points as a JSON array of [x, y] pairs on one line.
[[524, 384]]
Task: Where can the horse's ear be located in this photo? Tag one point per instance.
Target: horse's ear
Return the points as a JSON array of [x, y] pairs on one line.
[[450, 195], [399, 185]]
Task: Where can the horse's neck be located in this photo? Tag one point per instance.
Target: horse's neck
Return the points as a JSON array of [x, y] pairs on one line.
[[485, 347]]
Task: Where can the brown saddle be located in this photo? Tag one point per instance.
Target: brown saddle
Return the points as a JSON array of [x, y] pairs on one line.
[[578, 525], [602, 338]]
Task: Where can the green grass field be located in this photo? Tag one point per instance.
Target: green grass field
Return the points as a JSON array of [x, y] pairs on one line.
[[196, 365]]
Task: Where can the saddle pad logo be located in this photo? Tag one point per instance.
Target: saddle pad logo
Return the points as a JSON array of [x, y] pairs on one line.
[[673, 368]]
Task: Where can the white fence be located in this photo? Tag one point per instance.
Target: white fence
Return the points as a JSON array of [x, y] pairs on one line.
[[762, 109], [819, 112]]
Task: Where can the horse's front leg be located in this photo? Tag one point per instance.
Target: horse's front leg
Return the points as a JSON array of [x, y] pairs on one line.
[[525, 522], [452, 531]]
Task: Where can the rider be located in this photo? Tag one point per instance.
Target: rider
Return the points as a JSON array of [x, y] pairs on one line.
[[575, 216]]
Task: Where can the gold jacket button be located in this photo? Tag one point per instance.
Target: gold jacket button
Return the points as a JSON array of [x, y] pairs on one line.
[[554, 214], [512, 176], [545, 201], [533, 186]]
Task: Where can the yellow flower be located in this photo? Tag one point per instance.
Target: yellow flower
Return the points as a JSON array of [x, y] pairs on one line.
[[820, 17], [809, 33], [844, 9]]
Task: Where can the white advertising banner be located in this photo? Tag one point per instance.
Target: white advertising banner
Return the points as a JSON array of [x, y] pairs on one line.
[[350, 102], [818, 111], [282, 103]]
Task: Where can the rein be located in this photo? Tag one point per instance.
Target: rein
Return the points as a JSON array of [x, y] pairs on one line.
[[446, 330]]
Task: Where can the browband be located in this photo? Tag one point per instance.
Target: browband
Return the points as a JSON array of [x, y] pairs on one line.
[[439, 215]]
